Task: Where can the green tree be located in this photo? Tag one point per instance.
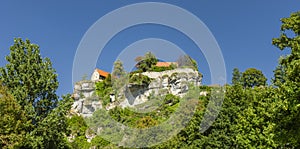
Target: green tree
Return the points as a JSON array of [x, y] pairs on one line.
[[51, 132], [253, 77], [30, 79], [254, 126], [78, 127], [146, 62], [12, 121], [118, 70], [236, 76], [33, 83], [288, 93]]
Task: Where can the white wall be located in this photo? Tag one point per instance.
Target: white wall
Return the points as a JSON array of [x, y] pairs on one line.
[[95, 76]]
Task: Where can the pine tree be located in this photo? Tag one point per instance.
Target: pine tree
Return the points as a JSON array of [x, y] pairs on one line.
[[30, 79], [118, 70]]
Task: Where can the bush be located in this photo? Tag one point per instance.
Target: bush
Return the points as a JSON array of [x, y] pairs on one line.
[[104, 89], [99, 142], [160, 69], [77, 126], [139, 79]]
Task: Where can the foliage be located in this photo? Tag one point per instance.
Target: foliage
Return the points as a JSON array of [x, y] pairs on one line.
[[12, 121], [77, 125], [160, 69], [102, 119], [279, 75], [288, 92], [51, 132], [253, 115], [117, 86], [127, 115], [254, 124], [146, 62], [33, 82], [118, 70], [139, 79], [30, 79], [146, 122], [99, 142], [77, 128], [104, 89], [245, 121], [236, 76], [80, 142], [253, 77]]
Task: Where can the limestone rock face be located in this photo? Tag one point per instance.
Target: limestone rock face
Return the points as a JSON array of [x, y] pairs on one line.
[[86, 102], [174, 82]]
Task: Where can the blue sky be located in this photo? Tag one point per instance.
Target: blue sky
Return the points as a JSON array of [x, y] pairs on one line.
[[243, 30]]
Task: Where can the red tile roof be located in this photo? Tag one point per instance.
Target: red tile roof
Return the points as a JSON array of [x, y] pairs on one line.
[[102, 73], [164, 64]]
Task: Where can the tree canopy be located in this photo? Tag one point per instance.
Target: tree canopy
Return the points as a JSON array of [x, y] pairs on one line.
[[146, 62], [12, 120], [32, 82], [288, 92], [253, 77], [30, 79]]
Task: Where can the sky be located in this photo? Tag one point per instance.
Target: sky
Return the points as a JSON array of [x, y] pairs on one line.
[[243, 31]]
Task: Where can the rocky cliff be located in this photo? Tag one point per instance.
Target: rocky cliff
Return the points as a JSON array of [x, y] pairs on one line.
[[174, 82], [86, 102]]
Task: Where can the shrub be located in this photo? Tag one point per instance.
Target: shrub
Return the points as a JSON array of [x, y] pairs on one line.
[[139, 79], [103, 90], [160, 69]]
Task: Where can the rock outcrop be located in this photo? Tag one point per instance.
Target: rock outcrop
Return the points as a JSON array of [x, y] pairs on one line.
[[86, 102], [174, 82]]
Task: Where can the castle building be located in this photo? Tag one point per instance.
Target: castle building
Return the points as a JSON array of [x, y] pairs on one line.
[[99, 75]]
